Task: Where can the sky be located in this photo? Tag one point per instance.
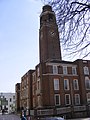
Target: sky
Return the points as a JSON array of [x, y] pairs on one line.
[[19, 40], [19, 37]]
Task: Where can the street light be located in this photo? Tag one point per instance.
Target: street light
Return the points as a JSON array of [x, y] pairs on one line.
[[0, 103], [1, 100]]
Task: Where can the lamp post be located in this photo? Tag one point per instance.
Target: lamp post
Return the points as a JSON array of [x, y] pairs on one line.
[[1, 100], [0, 103]]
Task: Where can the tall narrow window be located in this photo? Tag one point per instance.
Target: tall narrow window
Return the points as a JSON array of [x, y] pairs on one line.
[[39, 100], [86, 71], [75, 84], [77, 99], [10, 99], [14, 97], [66, 84], [88, 97], [64, 69], [56, 84], [38, 72], [38, 84], [34, 77], [87, 82], [33, 101], [55, 69], [74, 72], [67, 99], [57, 99]]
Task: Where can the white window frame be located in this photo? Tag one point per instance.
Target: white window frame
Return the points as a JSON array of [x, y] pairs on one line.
[[55, 69], [77, 99], [65, 70], [34, 77], [74, 71], [56, 84], [88, 97], [87, 83], [69, 99], [38, 72], [66, 84], [39, 100], [86, 70], [75, 84], [33, 101], [38, 84], [58, 99]]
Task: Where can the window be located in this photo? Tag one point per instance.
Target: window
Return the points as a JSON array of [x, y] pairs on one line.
[[88, 97], [86, 71], [38, 72], [39, 100], [64, 69], [38, 84], [87, 82], [10, 99], [74, 72], [50, 17], [14, 97], [77, 99], [10, 106], [34, 77], [57, 99], [27, 80], [34, 89], [66, 84], [55, 69], [75, 84], [33, 102], [56, 84], [67, 99]]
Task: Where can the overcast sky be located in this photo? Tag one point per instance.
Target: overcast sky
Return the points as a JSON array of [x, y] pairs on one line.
[[19, 29]]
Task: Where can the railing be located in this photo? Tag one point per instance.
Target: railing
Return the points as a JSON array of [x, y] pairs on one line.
[[57, 111], [63, 110], [79, 108], [45, 112]]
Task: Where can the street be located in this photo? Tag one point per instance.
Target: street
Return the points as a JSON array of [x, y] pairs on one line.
[[15, 117], [9, 117]]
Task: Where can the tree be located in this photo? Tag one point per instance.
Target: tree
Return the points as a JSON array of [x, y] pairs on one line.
[[73, 18]]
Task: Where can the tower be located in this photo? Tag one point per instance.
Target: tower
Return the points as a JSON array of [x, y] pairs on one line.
[[49, 43]]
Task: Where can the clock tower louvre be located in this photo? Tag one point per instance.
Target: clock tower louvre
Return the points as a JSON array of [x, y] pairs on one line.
[[49, 43]]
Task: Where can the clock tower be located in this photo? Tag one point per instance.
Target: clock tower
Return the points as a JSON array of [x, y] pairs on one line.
[[49, 43]]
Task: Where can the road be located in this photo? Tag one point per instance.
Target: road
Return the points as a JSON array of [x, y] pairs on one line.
[[9, 117]]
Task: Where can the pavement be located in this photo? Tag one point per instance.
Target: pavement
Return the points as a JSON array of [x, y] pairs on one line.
[[79, 119], [9, 117]]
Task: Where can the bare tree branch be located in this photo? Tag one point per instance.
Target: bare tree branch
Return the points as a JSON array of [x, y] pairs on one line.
[[73, 18]]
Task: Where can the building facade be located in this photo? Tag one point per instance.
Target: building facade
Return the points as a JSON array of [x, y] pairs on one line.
[[26, 91], [55, 87], [17, 94], [7, 102]]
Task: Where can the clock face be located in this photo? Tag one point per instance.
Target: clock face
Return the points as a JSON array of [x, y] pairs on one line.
[[52, 33]]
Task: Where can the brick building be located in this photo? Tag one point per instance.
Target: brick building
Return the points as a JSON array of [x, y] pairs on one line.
[[17, 94], [55, 87]]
